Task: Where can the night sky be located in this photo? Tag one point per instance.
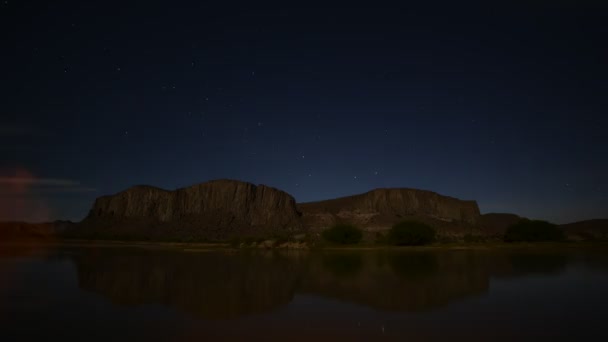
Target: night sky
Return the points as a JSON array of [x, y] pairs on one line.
[[505, 105]]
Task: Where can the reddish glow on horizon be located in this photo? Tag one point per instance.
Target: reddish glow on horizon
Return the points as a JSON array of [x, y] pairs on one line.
[[18, 201]]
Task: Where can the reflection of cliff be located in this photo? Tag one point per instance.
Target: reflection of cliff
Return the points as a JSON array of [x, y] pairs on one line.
[[400, 281], [223, 285], [211, 285], [526, 262]]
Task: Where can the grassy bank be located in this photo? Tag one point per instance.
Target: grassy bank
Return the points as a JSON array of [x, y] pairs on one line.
[[52, 243]]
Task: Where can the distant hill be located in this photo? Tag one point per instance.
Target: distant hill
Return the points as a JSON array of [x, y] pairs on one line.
[[587, 230], [22, 230]]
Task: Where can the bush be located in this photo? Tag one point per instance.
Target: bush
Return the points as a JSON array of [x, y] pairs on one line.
[[473, 238], [380, 238], [411, 233], [343, 234], [533, 231], [279, 241]]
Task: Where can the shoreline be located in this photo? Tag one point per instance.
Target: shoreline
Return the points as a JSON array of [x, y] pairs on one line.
[[209, 246]]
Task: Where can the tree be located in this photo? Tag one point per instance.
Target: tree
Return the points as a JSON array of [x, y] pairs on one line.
[[411, 233], [533, 231], [343, 234]]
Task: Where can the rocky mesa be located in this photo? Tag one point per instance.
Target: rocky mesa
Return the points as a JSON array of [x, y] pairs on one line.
[[215, 210], [224, 209], [381, 208]]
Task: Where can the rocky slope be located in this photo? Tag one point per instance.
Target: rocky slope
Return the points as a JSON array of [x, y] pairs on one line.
[[214, 210], [381, 208], [587, 230]]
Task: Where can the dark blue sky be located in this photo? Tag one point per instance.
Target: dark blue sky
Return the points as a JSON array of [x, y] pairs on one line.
[[506, 105]]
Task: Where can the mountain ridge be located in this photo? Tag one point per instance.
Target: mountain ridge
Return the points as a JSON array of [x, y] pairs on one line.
[[222, 209]]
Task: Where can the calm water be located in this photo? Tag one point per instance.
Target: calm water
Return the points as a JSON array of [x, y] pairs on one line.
[[111, 294]]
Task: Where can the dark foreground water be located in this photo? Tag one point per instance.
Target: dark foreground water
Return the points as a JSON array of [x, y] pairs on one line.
[[111, 294]]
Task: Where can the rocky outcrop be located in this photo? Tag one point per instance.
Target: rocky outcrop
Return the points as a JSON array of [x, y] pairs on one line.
[[209, 211], [227, 209], [384, 207]]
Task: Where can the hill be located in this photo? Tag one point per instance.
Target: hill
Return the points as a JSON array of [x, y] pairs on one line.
[[587, 230], [211, 211], [379, 209]]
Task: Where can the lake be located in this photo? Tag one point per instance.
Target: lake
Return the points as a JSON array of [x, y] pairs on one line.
[[120, 293]]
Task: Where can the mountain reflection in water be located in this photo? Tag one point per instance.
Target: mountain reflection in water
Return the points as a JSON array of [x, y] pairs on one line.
[[223, 285]]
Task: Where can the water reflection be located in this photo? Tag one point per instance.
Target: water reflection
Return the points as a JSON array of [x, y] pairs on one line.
[[347, 264], [211, 285], [413, 265], [398, 281], [543, 263], [222, 285]]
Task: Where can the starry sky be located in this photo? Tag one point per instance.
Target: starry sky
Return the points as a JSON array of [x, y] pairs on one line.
[[506, 105]]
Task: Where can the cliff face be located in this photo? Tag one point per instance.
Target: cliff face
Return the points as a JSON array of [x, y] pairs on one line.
[[384, 207], [216, 209], [223, 209]]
